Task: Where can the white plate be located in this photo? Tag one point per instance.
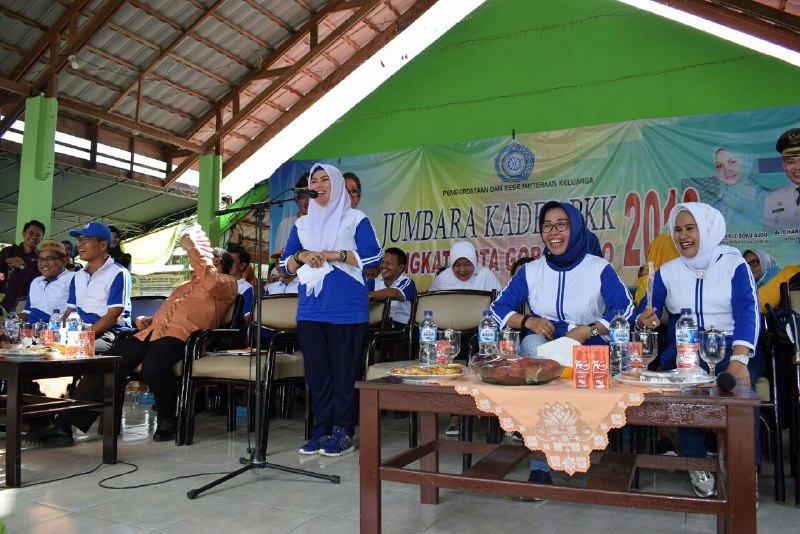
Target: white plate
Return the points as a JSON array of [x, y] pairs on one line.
[[689, 382], [25, 354], [427, 378]]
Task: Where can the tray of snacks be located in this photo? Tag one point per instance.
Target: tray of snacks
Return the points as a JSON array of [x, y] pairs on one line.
[[423, 373], [519, 371], [665, 379]]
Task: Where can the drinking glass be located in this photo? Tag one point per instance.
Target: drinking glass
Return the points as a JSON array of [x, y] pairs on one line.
[[26, 334], [449, 344], [40, 332], [649, 341], [508, 343], [712, 348], [12, 328]]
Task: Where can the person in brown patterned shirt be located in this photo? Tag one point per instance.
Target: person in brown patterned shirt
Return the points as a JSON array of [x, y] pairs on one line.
[[160, 343]]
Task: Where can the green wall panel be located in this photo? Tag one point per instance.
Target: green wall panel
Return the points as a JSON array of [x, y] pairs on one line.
[[552, 64]]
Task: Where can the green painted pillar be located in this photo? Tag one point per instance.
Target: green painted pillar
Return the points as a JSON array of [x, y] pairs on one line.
[[208, 196], [38, 161]]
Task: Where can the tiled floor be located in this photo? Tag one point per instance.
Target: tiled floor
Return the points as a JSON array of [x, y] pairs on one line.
[[267, 501]]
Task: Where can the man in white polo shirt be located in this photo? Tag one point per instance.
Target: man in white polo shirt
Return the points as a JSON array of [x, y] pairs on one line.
[[101, 291], [48, 292], [393, 283]]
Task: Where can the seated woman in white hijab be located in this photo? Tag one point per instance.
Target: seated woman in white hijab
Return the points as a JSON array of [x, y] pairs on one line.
[[328, 249], [763, 266], [464, 271], [716, 283]]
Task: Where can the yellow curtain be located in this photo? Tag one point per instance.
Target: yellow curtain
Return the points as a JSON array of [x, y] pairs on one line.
[[151, 252]]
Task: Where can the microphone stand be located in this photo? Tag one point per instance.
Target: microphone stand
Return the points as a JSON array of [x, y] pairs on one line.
[[258, 455]]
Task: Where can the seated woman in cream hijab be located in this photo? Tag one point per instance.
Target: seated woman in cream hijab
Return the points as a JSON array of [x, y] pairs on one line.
[[464, 271]]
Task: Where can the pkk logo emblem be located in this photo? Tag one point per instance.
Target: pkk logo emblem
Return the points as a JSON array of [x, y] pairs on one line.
[[514, 163]]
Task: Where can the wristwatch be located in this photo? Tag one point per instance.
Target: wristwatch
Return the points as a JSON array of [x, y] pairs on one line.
[[593, 329], [741, 358]]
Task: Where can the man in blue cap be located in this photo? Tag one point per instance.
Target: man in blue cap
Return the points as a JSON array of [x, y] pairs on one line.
[[101, 291]]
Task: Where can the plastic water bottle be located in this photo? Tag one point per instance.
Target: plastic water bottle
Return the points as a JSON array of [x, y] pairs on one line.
[[74, 326], [427, 339], [686, 341], [55, 325], [487, 334], [619, 333]]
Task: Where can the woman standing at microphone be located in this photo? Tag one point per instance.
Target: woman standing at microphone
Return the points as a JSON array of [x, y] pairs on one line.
[[714, 281], [328, 249]]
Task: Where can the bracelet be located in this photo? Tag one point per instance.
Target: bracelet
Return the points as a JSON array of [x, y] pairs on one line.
[[741, 358], [525, 320], [297, 259], [343, 256]]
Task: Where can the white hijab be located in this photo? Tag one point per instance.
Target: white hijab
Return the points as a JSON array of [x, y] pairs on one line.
[[482, 278], [711, 227], [322, 223], [321, 226]]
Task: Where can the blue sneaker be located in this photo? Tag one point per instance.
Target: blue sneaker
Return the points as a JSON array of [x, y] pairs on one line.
[[338, 444], [313, 445]]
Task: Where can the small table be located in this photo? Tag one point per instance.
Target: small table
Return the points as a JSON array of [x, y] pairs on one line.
[[612, 475], [19, 405]]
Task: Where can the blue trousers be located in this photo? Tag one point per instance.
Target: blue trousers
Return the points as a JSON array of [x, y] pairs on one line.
[[332, 356]]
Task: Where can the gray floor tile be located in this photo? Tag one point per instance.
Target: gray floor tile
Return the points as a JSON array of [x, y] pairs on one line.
[[267, 500]]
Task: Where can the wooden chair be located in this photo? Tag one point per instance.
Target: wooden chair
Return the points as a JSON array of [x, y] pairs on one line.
[[279, 316]]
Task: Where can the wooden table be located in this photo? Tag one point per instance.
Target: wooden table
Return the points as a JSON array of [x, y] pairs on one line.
[[19, 406], [611, 477]]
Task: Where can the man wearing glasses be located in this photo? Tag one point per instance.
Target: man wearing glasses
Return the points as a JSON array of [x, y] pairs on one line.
[[18, 264], [101, 291], [50, 291]]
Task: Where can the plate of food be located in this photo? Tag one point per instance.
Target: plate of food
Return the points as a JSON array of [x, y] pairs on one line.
[[519, 371], [25, 353], [664, 379], [424, 373]]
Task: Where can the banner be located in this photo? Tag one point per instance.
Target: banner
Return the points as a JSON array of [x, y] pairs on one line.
[[157, 284], [625, 178]]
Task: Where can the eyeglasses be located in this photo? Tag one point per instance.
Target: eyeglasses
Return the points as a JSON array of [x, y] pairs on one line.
[[560, 226], [354, 192], [47, 259], [85, 239]]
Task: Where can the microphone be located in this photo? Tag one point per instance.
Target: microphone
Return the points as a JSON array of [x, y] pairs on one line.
[[726, 381], [305, 192]]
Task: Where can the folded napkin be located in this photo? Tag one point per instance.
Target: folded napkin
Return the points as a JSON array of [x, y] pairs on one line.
[[559, 350], [312, 278]]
